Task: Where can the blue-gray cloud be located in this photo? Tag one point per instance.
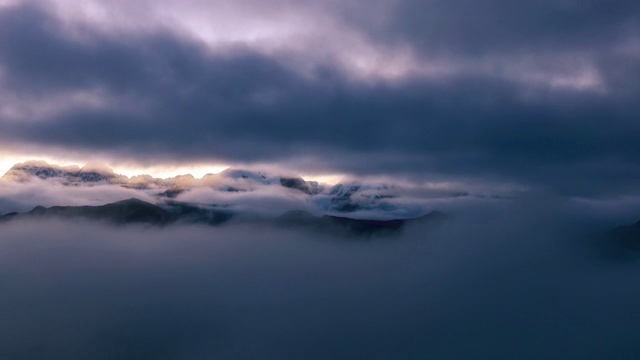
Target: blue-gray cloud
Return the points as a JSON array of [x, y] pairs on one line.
[[163, 96], [519, 285]]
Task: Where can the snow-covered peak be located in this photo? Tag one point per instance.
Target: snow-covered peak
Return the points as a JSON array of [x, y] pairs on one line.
[[298, 183], [67, 175], [187, 178], [238, 180], [345, 190], [352, 196], [97, 168], [236, 189], [35, 168], [256, 176]]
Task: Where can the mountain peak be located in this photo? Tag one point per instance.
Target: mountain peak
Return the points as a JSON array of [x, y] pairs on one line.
[[97, 168], [38, 168], [234, 173], [357, 198]]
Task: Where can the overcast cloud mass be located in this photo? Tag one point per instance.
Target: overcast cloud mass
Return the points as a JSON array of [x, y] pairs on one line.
[[403, 179], [539, 95]]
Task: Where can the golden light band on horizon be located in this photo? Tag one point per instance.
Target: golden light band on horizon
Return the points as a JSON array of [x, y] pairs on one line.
[[157, 171]]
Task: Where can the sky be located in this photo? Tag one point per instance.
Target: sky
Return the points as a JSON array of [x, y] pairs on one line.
[[538, 95]]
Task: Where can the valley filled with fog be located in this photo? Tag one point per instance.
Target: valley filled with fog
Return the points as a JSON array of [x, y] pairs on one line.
[[531, 280]]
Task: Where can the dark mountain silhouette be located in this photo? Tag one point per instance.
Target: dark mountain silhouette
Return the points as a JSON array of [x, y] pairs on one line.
[[121, 212], [621, 243], [329, 223], [628, 236], [126, 212], [141, 212], [172, 193], [187, 213], [297, 183]]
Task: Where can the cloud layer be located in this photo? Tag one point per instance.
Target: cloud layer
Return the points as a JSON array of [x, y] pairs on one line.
[[540, 95], [527, 283]]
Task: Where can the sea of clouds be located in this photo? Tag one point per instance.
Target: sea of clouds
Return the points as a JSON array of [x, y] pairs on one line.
[[529, 280]]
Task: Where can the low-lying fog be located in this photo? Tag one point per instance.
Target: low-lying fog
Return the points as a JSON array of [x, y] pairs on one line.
[[520, 284]]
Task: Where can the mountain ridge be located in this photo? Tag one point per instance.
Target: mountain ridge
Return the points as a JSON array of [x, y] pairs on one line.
[[339, 198], [96, 173], [136, 211]]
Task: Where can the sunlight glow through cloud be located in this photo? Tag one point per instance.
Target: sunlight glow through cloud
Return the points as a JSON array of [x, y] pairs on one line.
[[312, 35], [198, 171], [158, 171], [164, 87], [163, 171]]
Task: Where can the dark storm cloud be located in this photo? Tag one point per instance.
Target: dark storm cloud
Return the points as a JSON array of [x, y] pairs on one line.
[[168, 98], [496, 27]]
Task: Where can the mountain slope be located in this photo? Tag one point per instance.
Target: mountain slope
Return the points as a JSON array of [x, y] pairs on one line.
[[628, 236], [68, 174], [138, 211], [345, 225], [121, 212], [233, 188]]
